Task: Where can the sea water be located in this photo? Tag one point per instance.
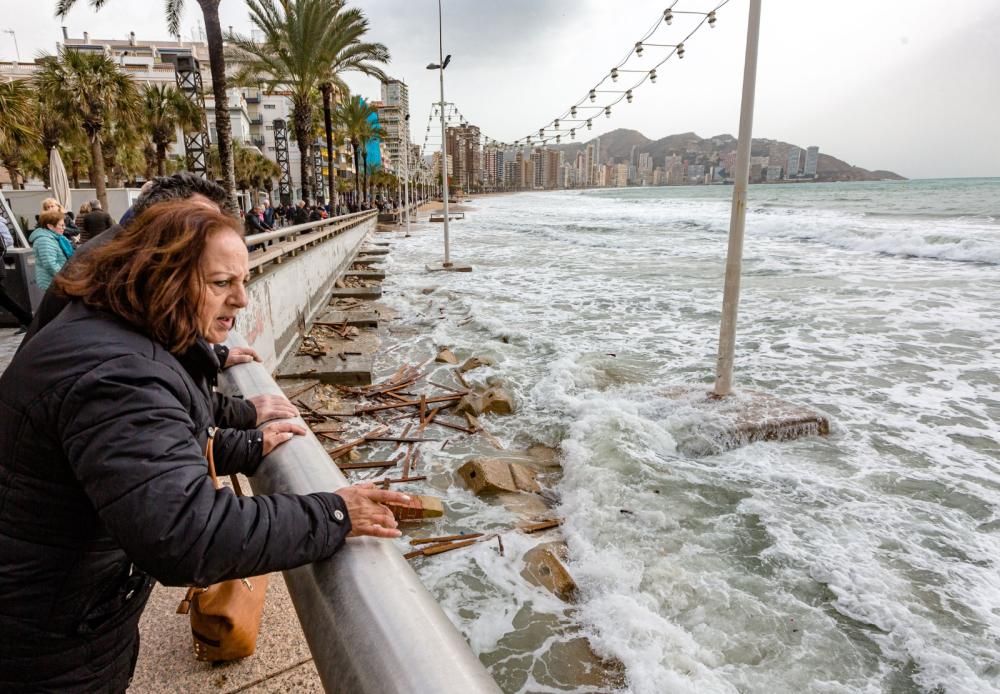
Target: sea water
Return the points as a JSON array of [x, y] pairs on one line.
[[865, 561]]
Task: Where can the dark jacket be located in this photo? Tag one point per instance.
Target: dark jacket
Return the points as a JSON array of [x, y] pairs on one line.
[[93, 223], [301, 215], [104, 487]]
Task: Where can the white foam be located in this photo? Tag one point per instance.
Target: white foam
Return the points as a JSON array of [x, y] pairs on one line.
[[864, 562]]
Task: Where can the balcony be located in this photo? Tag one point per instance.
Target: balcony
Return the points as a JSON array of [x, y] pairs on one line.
[[257, 120], [258, 142]]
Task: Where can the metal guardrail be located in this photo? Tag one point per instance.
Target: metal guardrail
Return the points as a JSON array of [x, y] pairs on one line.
[[371, 625], [308, 234]]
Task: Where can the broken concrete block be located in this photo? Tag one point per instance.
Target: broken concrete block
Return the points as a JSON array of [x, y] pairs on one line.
[[419, 507], [446, 356], [543, 567], [546, 456], [470, 404], [428, 290], [474, 363], [498, 401], [490, 475]]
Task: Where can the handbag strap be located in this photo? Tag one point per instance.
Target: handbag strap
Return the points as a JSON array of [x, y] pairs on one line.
[[210, 457]]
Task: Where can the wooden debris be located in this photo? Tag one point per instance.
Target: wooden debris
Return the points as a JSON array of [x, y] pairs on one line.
[[444, 538], [385, 481], [380, 464], [419, 507], [541, 525], [302, 391], [345, 448]]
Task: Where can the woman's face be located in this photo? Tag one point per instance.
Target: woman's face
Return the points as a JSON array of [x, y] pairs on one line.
[[224, 266], [59, 227]]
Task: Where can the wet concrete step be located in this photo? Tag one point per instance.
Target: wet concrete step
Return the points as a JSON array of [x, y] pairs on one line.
[[351, 369], [374, 250], [357, 319], [369, 259], [366, 274], [356, 293]]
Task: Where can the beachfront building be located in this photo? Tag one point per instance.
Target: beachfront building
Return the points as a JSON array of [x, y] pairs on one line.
[[393, 109], [772, 174], [812, 161], [620, 175], [252, 112], [793, 164], [464, 145]]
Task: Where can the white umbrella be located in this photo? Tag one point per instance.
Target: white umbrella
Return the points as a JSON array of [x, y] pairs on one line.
[[58, 180]]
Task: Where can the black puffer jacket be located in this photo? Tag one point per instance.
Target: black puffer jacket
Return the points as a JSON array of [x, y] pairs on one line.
[[104, 487]]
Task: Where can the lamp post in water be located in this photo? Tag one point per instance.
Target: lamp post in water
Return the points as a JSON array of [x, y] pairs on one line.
[[737, 217], [440, 67], [406, 171]]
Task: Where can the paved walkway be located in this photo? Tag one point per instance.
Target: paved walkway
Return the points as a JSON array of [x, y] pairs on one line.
[[8, 345]]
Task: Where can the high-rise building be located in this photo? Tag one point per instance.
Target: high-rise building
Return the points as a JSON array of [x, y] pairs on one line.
[[621, 172], [793, 162], [463, 144], [552, 165], [394, 108], [812, 161]]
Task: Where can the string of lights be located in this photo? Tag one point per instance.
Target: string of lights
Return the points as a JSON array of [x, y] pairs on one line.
[[550, 131]]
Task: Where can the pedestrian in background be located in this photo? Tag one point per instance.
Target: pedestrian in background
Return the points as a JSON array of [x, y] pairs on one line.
[[96, 222], [52, 248]]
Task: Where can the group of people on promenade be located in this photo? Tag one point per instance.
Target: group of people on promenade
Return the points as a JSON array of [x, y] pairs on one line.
[[106, 415]]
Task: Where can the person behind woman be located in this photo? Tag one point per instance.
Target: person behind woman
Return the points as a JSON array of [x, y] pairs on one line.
[[71, 231], [52, 248], [104, 485]]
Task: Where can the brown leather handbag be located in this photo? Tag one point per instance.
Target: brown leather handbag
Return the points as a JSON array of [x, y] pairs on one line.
[[225, 617]]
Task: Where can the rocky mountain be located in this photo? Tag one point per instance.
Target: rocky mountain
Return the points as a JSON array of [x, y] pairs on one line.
[[618, 144]]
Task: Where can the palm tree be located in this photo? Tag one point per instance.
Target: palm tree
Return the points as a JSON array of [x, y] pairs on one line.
[[164, 110], [90, 90], [216, 59], [354, 118], [17, 131], [350, 55], [302, 39]]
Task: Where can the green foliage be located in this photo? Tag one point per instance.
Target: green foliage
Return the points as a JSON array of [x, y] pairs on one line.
[[306, 44]]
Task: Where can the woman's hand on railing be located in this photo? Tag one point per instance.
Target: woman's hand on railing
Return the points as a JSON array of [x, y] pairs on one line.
[[273, 407], [366, 511], [240, 355], [277, 433]]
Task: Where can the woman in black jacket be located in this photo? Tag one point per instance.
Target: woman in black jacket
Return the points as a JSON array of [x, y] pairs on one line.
[[103, 482]]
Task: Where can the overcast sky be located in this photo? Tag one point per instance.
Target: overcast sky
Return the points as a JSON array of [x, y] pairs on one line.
[[907, 85]]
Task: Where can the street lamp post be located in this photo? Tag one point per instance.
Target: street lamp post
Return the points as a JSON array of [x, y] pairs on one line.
[[440, 67], [734, 256], [406, 171]]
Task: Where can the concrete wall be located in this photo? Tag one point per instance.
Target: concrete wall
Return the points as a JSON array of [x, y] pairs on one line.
[[291, 293]]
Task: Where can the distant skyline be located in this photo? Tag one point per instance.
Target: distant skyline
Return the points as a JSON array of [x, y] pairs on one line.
[[904, 85]]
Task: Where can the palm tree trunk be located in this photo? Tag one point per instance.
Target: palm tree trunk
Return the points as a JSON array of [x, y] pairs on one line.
[[97, 156], [327, 89], [161, 158], [223, 128], [357, 183]]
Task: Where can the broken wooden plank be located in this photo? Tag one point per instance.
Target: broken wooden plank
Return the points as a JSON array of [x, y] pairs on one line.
[[444, 538], [540, 526]]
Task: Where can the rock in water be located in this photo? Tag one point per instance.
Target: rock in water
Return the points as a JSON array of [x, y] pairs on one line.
[[543, 567], [446, 356]]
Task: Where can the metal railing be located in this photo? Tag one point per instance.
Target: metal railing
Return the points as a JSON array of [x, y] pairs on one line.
[[274, 248], [371, 625]]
